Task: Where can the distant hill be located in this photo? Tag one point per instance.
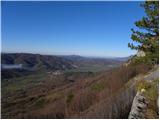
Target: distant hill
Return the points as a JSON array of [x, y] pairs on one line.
[[87, 61], [50, 62], [20, 64], [36, 61]]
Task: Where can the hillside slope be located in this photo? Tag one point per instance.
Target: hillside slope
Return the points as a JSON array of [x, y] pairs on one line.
[[36, 61], [100, 96]]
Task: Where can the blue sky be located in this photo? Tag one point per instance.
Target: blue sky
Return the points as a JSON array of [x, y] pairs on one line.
[[79, 28]]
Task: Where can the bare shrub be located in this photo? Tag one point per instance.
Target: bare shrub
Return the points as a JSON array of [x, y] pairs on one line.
[[55, 110], [82, 101]]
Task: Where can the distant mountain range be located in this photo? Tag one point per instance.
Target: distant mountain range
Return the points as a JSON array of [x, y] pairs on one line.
[[52, 62], [85, 61], [19, 64], [36, 61]]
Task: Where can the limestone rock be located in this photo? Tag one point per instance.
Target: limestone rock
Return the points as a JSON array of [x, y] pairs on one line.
[[138, 107], [141, 54]]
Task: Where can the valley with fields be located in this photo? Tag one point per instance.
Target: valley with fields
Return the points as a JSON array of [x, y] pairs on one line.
[[43, 91], [70, 60]]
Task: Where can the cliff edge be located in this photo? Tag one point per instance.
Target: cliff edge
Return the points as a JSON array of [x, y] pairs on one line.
[[146, 103]]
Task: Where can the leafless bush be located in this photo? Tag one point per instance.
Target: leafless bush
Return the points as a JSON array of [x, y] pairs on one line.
[[82, 101]]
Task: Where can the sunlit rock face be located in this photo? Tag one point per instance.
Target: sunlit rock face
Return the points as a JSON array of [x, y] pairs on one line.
[[141, 54], [138, 107]]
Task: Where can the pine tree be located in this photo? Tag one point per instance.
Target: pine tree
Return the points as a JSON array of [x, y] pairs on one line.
[[147, 36]]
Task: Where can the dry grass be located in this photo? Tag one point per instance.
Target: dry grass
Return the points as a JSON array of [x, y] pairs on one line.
[[76, 98]]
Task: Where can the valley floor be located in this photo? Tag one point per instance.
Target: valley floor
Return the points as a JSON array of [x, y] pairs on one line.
[[107, 94]]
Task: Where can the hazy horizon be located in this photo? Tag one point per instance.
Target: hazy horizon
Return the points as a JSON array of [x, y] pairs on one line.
[[100, 29], [67, 54]]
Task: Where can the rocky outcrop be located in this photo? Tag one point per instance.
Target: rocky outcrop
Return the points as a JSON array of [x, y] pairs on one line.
[[140, 103], [138, 107], [140, 54]]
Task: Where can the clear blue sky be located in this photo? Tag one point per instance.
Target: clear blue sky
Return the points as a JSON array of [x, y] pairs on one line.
[[79, 28]]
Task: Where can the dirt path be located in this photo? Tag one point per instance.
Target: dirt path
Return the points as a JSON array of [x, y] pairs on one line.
[[153, 75]]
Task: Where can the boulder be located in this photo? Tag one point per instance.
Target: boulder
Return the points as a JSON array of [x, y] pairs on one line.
[[141, 54]]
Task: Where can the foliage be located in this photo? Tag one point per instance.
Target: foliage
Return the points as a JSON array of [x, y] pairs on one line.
[[149, 59], [152, 94], [97, 87], [148, 35], [143, 84], [39, 103], [69, 97]]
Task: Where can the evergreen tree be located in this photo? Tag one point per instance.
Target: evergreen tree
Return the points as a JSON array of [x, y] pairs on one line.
[[147, 36]]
